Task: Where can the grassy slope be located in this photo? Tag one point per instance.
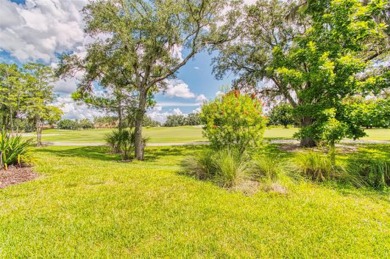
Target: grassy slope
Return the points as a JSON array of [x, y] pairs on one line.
[[87, 205], [177, 135]]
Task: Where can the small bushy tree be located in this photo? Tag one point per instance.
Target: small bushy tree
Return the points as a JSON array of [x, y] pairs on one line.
[[86, 124], [234, 121], [67, 124], [282, 114]]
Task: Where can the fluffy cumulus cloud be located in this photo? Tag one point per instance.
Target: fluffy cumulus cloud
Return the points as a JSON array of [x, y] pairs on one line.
[[157, 113], [178, 88], [73, 110], [201, 98], [39, 29]]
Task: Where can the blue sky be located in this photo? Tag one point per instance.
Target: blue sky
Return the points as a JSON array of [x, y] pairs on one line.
[[38, 30]]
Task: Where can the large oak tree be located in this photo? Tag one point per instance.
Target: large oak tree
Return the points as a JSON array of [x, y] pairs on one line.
[[314, 59], [141, 44]]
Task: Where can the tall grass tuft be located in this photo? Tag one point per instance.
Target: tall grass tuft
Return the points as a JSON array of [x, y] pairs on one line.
[[232, 167], [373, 173], [317, 167], [225, 167], [267, 168]]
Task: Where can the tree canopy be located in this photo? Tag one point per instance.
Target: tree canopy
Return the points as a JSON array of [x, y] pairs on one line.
[[313, 60]]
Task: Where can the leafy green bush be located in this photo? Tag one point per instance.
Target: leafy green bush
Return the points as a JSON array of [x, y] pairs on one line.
[[226, 167], [13, 149], [371, 172], [317, 167], [234, 121]]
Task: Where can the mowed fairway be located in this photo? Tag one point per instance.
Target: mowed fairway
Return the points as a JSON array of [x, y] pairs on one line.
[[87, 204], [187, 134]]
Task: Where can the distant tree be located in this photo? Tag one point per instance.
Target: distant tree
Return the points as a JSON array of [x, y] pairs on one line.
[[39, 79], [105, 122], [175, 121], [85, 124], [67, 124], [193, 119], [282, 114], [149, 122], [26, 94], [12, 92]]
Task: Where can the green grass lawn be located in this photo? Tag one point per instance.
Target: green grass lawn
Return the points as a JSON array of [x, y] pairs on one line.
[[156, 135], [87, 204], [186, 134]]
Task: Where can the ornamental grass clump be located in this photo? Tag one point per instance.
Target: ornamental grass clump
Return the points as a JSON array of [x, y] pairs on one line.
[[226, 167], [267, 168], [370, 172], [317, 167]]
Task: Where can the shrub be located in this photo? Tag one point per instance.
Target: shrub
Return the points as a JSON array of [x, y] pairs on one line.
[[13, 149], [226, 167], [233, 121], [317, 167], [371, 172], [121, 142]]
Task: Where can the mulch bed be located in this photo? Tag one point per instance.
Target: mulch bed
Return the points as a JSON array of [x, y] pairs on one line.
[[16, 175]]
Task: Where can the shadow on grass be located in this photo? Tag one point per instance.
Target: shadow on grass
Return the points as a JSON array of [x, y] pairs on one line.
[[103, 153], [154, 153], [97, 153]]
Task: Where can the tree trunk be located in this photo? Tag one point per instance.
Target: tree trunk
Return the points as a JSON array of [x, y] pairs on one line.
[[139, 143], [11, 120], [120, 116], [38, 125], [307, 141]]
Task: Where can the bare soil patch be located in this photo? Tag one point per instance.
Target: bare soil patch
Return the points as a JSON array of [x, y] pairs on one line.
[[16, 175]]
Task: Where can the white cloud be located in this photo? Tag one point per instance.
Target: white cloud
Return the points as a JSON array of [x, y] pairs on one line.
[[72, 110], [201, 98], [177, 111], [197, 110], [176, 52], [219, 94], [40, 28], [178, 104], [157, 114], [196, 68], [178, 88]]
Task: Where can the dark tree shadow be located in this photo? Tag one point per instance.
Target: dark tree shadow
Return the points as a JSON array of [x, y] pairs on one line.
[[154, 153], [103, 153], [97, 153]]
